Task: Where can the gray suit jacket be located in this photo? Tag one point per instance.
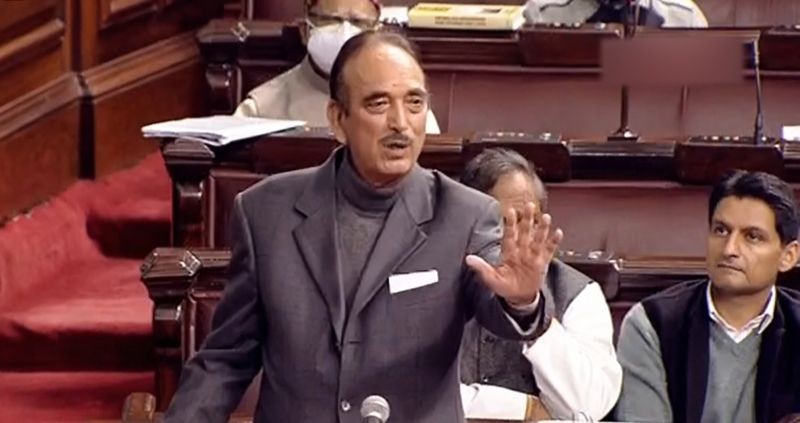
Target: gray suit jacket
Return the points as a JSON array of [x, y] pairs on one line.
[[283, 307]]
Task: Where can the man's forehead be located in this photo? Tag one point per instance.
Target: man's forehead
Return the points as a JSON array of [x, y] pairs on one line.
[[744, 212], [384, 67]]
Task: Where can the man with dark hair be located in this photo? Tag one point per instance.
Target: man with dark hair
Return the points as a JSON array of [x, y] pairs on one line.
[[726, 348], [355, 278], [572, 367], [302, 92]]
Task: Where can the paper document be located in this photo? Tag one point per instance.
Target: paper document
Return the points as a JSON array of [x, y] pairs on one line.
[[218, 130], [394, 15], [791, 133]]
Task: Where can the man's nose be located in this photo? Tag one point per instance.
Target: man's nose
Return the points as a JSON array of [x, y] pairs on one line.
[[731, 247], [398, 118]]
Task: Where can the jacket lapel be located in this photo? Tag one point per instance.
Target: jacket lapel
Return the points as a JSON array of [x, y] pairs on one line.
[[316, 239], [697, 361], [768, 361], [400, 237]]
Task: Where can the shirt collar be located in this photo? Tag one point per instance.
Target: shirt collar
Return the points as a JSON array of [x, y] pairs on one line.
[[758, 323]]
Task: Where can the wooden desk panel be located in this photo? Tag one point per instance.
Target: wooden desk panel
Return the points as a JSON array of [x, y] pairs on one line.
[[544, 79], [640, 186], [631, 218], [730, 110]]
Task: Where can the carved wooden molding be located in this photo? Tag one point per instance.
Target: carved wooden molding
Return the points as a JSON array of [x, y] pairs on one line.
[[223, 85], [34, 43], [168, 274], [113, 12], [33, 106], [188, 164], [142, 65]]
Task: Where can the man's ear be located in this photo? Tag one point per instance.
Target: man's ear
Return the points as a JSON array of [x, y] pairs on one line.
[[302, 26], [336, 114], [791, 252]]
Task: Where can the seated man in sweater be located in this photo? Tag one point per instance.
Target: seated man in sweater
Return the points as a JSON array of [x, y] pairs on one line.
[[571, 370], [723, 349], [652, 13], [301, 93]]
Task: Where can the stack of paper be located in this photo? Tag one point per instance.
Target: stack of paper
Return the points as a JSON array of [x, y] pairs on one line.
[[394, 15], [791, 133], [218, 130]]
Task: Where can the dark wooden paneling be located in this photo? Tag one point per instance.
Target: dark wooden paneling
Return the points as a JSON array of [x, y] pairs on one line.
[[163, 81], [38, 145], [115, 12], [32, 48], [19, 17], [234, 9], [112, 28]]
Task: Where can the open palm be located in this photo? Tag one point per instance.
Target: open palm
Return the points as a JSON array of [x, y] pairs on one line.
[[527, 247]]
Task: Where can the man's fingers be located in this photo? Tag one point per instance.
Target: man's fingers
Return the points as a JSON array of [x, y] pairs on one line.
[[485, 270], [526, 226], [508, 245], [555, 238], [541, 230]]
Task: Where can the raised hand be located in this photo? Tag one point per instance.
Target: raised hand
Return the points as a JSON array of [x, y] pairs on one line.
[[527, 248]]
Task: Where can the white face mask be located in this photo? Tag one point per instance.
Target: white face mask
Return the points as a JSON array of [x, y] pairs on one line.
[[324, 43]]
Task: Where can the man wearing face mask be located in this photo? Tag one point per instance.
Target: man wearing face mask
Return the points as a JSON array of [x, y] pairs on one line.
[[301, 93], [652, 13]]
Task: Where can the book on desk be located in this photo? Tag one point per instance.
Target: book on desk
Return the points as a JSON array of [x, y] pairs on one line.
[[466, 16]]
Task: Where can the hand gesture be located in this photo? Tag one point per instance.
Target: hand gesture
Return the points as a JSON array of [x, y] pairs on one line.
[[527, 247]]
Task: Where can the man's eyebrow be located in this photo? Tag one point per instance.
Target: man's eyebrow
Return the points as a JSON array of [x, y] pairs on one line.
[[756, 229], [375, 95], [745, 229], [717, 221], [417, 91]]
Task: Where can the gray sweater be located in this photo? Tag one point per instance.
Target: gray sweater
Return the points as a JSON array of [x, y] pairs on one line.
[[730, 391], [361, 212]]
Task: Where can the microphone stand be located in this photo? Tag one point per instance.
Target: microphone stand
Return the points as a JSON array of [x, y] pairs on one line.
[[624, 133], [758, 131]]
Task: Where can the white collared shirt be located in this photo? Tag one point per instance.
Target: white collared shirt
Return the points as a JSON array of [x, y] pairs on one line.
[[758, 323], [574, 364]]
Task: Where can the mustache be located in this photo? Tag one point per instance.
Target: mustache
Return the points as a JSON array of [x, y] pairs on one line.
[[729, 265], [395, 138]]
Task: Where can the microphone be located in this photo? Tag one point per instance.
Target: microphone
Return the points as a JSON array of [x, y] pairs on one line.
[[758, 130], [631, 20], [374, 409]]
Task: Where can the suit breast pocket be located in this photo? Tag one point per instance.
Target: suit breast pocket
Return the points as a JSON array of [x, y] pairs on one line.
[[416, 289]]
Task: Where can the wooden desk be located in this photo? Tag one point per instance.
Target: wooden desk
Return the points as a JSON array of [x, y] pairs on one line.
[[544, 79], [620, 186]]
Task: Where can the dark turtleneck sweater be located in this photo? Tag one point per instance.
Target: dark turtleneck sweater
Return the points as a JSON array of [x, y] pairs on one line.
[[361, 212]]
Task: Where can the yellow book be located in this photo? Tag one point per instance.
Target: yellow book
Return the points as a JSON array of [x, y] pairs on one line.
[[466, 16]]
